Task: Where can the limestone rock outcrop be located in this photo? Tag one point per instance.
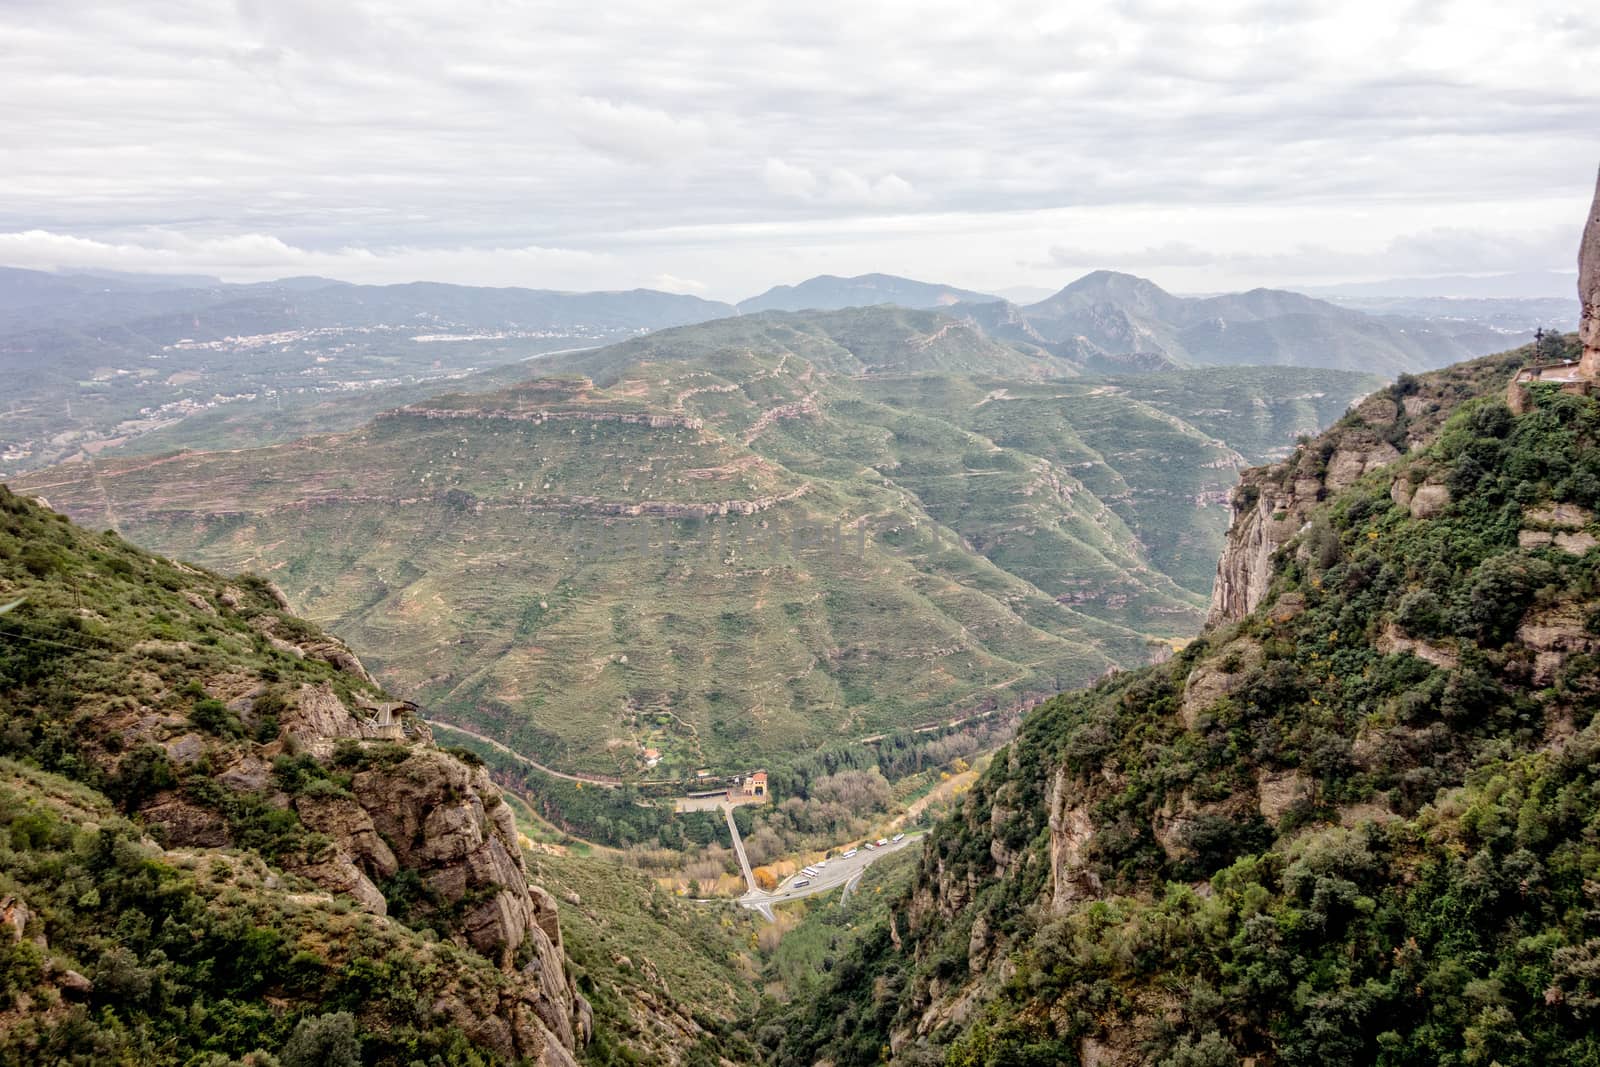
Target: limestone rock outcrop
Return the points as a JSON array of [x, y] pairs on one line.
[[433, 814], [1273, 503], [409, 807], [1589, 282], [1071, 831]]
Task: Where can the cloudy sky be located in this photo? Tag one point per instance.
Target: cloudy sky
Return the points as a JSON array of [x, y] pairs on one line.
[[719, 149]]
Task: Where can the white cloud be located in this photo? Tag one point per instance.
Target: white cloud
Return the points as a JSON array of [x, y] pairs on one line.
[[259, 257], [940, 138], [838, 186], [1171, 254], [788, 180], [674, 284], [632, 132]]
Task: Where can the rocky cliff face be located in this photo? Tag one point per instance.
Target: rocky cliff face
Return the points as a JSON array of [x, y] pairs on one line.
[[1589, 280], [409, 808], [1271, 503], [205, 712]]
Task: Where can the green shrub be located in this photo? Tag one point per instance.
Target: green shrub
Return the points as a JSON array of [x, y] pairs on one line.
[[213, 716]]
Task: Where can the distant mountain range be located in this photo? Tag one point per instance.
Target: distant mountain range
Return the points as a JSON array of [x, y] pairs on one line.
[[741, 538], [829, 293], [1522, 285], [93, 361], [1107, 320], [30, 299]]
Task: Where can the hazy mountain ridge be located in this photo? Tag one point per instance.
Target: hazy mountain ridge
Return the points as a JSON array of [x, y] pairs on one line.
[[97, 362], [1107, 314], [827, 292]]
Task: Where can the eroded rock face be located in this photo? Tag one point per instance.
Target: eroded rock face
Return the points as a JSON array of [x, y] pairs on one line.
[[1271, 505], [1553, 634], [431, 811], [1393, 641], [1218, 677], [1278, 791], [1428, 500], [352, 831], [337, 873], [1262, 522], [1071, 830], [184, 823], [1589, 281], [410, 807], [433, 814]]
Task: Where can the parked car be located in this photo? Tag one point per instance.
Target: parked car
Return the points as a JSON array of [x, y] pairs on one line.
[[870, 847]]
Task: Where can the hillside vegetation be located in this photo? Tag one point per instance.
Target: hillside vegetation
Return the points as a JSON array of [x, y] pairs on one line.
[[210, 852], [1355, 826], [736, 540], [1106, 317]]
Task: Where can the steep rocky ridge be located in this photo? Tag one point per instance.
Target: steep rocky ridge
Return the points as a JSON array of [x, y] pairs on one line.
[[1589, 279], [1271, 504], [234, 734], [1327, 829]]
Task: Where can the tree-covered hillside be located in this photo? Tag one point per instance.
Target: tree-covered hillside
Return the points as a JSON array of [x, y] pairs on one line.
[[1357, 827], [211, 851]]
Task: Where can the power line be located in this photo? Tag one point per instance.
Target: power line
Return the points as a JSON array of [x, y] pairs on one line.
[[48, 641]]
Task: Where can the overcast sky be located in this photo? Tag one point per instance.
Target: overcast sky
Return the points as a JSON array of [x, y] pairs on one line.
[[718, 149]]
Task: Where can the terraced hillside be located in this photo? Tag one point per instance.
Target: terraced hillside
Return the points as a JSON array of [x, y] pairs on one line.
[[751, 536]]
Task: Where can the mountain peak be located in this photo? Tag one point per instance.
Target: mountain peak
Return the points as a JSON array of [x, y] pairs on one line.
[[829, 292], [1107, 284], [1108, 278]]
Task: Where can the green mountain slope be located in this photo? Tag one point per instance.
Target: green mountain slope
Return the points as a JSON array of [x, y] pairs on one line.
[[1355, 825], [1107, 314], [211, 851], [647, 557]]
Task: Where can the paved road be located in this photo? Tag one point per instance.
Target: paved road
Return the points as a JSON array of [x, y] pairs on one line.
[[838, 872]]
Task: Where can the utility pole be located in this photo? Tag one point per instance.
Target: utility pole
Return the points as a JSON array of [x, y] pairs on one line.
[[1538, 347]]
